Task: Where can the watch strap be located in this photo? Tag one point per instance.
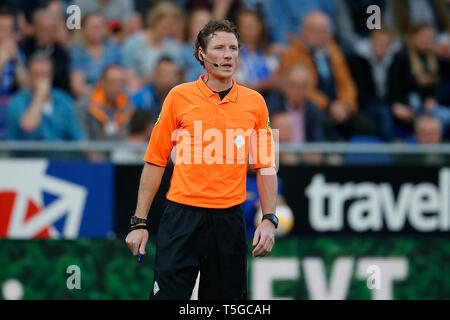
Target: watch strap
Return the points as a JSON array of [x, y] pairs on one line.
[[135, 220], [272, 218], [137, 227]]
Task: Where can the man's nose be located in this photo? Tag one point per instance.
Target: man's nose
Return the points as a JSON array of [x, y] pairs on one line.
[[227, 54]]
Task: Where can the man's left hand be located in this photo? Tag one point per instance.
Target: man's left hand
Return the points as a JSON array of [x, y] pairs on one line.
[[264, 239]]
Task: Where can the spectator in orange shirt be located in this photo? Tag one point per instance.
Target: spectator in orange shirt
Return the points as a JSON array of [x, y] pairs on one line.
[[106, 110], [332, 88]]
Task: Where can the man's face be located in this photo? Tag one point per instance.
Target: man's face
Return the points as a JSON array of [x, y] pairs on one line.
[[316, 31], [295, 86], [167, 76], [198, 20], [165, 27], [380, 44], [45, 28], [423, 39], [40, 71], [95, 29], [6, 28], [114, 83], [428, 132], [250, 28], [222, 49]]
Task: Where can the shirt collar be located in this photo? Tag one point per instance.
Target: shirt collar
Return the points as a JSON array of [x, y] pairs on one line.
[[230, 97]]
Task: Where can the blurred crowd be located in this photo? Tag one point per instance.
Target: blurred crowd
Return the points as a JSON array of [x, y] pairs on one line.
[[325, 73]]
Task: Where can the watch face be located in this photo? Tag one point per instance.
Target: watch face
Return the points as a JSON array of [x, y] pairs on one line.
[[273, 218], [136, 220]]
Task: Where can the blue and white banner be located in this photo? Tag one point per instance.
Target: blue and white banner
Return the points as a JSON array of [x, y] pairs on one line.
[[45, 199]]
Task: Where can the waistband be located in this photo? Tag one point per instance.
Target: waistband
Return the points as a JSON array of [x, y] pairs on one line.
[[206, 210]]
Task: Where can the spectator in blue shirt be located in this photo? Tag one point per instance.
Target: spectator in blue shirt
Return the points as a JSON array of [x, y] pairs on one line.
[[13, 72], [257, 65], [152, 95], [42, 112], [141, 51], [283, 18], [92, 54]]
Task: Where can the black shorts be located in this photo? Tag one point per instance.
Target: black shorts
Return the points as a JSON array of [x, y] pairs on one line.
[[192, 239]]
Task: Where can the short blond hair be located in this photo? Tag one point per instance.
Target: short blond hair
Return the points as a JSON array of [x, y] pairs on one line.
[[161, 10]]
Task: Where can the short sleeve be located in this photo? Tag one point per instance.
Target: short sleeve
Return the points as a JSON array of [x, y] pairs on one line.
[[261, 142], [161, 144], [76, 59], [127, 52]]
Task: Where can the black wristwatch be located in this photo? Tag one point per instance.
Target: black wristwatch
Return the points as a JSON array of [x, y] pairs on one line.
[[272, 217], [135, 220]]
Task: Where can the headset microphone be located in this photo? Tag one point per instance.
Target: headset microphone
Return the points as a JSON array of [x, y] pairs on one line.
[[214, 64]]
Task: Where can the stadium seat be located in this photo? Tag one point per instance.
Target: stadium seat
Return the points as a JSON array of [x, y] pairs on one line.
[[367, 158]]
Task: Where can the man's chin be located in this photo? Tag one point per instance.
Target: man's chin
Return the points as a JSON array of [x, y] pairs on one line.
[[224, 74]]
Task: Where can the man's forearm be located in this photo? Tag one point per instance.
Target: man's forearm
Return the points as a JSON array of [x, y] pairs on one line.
[[267, 183], [150, 181], [22, 74]]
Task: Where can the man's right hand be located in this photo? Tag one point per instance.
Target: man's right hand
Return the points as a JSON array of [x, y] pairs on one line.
[[403, 112], [137, 240], [43, 88], [339, 112]]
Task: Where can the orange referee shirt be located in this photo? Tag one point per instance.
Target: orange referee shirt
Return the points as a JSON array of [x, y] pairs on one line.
[[212, 140]]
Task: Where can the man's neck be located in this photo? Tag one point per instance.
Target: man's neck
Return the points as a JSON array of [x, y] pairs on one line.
[[93, 46], [217, 84], [45, 46], [251, 47], [153, 38], [103, 3]]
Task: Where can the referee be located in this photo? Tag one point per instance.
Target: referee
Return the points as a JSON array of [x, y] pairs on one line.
[[214, 124]]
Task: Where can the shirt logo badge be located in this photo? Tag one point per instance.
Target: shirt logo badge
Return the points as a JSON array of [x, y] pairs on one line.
[[239, 141], [159, 118], [268, 125]]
